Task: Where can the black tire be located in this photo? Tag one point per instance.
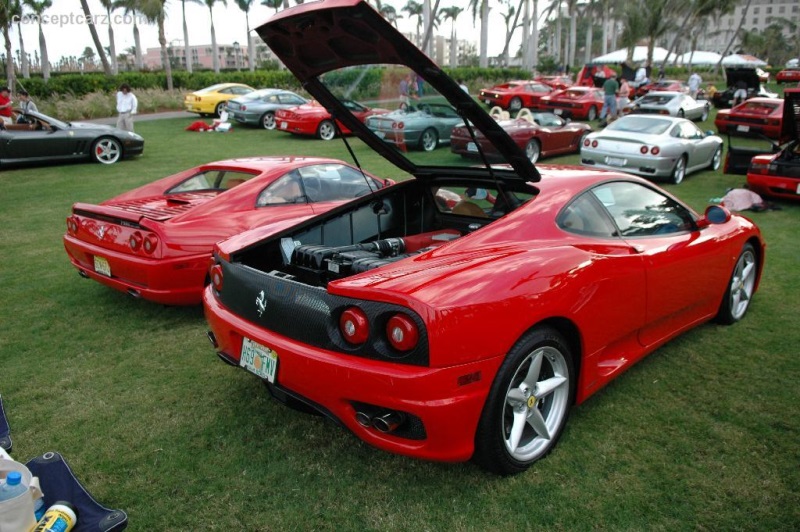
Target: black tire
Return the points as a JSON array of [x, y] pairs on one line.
[[268, 120], [592, 114], [543, 402], [740, 287], [679, 171], [326, 130], [106, 150], [514, 105], [681, 113], [428, 140], [219, 108], [533, 150]]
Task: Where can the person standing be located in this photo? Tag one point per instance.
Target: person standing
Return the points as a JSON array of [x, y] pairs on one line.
[[5, 105], [610, 90], [624, 94], [694, 84], [126, 107]]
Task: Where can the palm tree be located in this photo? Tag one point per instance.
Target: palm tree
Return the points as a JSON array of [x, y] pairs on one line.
[[110, 6], [388, 12], [23, 57], [482, 7], [736, 33], [186, 48], [6, 14], [277, 5], [214, 48], [245, 6], [155, 12], [93, 30], [452, 14], [38, 7], [414, 9], [431, 20], [131, 7], [511, 27]]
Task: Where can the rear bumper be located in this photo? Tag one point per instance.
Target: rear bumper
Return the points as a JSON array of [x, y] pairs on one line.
[[774, 186], [176, 281], [336, 383], [634, 164]]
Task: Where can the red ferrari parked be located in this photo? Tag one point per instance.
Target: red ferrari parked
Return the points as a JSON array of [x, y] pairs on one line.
[[557, 82], [778, 175], [539, 134], [155, 241], [465, 332], [671, 85], [580, 103], [753, 117], [515, 95], [790, 75], [312, 119]]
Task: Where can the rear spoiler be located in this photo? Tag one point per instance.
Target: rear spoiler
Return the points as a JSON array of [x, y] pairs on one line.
[[107, 214]]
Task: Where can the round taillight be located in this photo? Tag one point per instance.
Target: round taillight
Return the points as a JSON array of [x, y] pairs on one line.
[[150, 243], [244, 108], [216, 277], [594, 144], [72, 225], [135, 241], [655, 150], [402, 332], [643, 150], [586, 142], [354, 326]]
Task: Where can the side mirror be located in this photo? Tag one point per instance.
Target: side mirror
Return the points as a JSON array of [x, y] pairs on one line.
[[710, 133], [715, 214]]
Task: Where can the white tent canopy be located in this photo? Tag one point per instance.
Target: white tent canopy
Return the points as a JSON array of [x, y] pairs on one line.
[[742, 60], [639, 55], [699, 58]]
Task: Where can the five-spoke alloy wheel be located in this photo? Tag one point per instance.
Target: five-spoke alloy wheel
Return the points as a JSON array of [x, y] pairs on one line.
[[107, 150]]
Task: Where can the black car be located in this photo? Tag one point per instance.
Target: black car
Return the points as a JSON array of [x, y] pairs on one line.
[[744, 77], [40, 138]]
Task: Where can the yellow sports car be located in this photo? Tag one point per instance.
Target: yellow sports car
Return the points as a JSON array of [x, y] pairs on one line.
[[211, 100]]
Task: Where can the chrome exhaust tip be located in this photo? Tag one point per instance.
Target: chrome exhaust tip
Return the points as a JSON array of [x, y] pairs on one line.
[[134, 293], [83, 274], [388, 422], [212, 339], [363, 419]]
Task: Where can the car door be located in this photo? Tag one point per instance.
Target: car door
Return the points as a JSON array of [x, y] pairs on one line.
[[696, 145], [683, 265], [49, 142]]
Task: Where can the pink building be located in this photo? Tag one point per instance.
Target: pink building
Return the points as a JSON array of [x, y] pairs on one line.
[[231, 56]]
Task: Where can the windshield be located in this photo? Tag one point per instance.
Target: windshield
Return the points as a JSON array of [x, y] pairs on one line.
[[640, 124]]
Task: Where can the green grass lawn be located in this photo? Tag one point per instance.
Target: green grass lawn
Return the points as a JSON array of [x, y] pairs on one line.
[[703, 434]]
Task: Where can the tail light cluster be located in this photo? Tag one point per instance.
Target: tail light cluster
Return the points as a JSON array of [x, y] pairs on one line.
[[592, 143], [147, 243], [401, 331], [759, 168], [215, 273], [398, 125], [654, 150], [72, 225]]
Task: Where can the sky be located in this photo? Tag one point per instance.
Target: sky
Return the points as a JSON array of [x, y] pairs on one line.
[[67, 35]]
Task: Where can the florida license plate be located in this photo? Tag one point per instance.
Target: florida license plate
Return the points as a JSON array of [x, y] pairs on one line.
[[284, 125], [471, 147], [558, 111], [259, 359], [102, 266], [743, 129], [615, 161]]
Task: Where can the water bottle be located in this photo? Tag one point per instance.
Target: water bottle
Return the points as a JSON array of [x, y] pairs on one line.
[[13, 486]]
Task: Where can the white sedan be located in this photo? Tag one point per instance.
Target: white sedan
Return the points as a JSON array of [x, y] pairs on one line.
[[652, 146], [672, 103]]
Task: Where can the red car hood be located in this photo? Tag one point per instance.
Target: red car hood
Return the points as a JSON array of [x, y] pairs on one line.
[[790, 129], [315, 38]]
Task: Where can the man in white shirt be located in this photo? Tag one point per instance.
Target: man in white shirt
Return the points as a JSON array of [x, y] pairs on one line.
[[694, 84], [126, 107]]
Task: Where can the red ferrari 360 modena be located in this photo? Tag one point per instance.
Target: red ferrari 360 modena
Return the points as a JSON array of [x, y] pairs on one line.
[[790, 75], [155, 241], [777, 175], [313, 119], [451, 331], [753, 117], [515, 95], [579, 103]]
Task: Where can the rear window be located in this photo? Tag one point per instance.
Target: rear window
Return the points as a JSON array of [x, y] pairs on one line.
[[212, 180]]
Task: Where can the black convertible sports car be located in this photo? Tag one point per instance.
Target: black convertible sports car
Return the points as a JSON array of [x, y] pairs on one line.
[[40, 138]]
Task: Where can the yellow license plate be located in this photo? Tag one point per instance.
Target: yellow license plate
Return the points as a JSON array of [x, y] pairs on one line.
[[102, 266]]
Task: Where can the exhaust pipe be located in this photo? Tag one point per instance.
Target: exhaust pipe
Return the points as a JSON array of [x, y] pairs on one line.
[[388, 422], [212, 339], [83, 274], [363, 419], [134, 293]]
